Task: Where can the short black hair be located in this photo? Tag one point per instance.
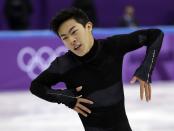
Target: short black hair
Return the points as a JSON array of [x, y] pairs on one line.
[[66, 14]]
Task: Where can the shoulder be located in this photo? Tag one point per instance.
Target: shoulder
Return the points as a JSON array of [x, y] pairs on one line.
[[63, 63], [109, 42], [111, 39], [112, 45]]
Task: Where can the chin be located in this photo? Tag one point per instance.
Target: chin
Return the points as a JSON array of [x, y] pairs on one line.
[[80, 54]]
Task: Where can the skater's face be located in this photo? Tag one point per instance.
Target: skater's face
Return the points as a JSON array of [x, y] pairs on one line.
[[76, 37]]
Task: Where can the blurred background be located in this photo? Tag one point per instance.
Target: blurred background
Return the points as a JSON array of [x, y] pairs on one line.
[[104, 14], [27, 47]]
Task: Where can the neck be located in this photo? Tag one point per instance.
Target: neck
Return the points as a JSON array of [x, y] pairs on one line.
[[91, 43]]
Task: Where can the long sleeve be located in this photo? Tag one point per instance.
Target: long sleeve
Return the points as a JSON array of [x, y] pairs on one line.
[[41, 87], [151, 38]]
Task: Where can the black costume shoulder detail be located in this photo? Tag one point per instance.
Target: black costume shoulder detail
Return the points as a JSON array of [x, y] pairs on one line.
[[62, 64]]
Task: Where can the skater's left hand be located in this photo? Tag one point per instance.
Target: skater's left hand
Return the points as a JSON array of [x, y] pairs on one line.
[[145, 88]]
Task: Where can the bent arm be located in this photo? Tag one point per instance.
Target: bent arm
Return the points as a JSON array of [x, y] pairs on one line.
[[41, 87], [151, 38]]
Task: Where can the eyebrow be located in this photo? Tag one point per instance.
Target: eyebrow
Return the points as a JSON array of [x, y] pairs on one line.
[[68, 31]]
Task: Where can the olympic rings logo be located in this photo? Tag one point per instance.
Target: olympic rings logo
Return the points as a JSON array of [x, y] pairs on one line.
[[33, 62]]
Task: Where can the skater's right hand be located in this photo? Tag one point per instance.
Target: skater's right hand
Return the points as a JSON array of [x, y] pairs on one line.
[[79, 107]]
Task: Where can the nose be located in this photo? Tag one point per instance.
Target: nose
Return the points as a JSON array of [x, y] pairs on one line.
[[73, 40]]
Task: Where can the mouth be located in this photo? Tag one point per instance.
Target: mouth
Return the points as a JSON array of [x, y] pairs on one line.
[[77, 47]]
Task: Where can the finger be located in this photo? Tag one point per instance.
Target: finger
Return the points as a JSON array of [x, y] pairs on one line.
[[134, 79], [85, 101], [150, 91], [141, 90], [83, 108], [146, 91], [79, 96], [80, 111], [79, 88]]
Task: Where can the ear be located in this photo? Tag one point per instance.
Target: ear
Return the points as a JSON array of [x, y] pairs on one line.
[[89, 26]]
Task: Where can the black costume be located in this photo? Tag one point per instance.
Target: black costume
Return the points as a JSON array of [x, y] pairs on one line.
[[99, 72]]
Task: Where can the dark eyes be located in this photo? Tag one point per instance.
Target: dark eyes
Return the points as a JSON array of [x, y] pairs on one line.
[[73, 32], [64, 38]]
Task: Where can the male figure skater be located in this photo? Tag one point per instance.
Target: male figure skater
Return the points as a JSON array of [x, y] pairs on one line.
[[92, 71]]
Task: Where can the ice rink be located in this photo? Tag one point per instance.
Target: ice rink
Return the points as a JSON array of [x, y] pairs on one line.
[[21, 111]]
